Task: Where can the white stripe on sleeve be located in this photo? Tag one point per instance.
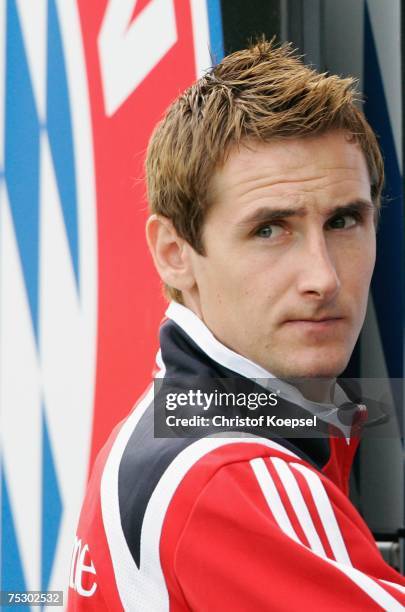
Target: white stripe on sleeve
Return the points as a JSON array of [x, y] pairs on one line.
[[299, 505], [369, 586], [272, 497], [394, 585], [326, 513]]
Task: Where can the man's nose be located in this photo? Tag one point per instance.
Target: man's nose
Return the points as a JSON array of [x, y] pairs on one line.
[[318, 274]]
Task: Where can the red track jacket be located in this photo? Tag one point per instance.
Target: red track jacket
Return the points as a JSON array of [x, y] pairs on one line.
[[222, 523]]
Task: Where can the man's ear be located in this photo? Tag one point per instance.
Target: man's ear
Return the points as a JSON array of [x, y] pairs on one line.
[[170, 253]]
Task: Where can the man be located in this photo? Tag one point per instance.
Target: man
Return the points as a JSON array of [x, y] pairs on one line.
[[264, 180]]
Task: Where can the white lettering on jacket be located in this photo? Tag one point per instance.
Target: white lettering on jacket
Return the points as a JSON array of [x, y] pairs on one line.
[[79, 567]]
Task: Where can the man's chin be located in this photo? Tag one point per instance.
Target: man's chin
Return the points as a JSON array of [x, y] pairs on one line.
[[327, 368]]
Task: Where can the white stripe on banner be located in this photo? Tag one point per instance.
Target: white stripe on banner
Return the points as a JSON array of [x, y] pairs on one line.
[[326, 514], [201, 36], [298, 503], [370, 587], [125, 50]]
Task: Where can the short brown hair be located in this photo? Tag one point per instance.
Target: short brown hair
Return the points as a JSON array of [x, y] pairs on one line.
[[265, 92]]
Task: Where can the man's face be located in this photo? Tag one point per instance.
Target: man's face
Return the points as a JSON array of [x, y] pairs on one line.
[[289, 253]]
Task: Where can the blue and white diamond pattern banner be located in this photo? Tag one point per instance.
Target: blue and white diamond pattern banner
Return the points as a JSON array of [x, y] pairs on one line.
[[48, 289]]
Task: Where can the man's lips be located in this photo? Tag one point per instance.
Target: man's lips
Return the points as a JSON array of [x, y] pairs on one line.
[[319, 324], [313, 319]]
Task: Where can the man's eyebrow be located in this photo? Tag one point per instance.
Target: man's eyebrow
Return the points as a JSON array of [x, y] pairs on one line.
[[359, 206], [265, 214]]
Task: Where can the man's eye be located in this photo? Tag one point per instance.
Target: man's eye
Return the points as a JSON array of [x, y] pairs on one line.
[[269, 231], [343, 221]]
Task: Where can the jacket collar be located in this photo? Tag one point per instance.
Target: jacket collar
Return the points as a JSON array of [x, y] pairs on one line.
[[188, 348], [220, 354], [215, 350]]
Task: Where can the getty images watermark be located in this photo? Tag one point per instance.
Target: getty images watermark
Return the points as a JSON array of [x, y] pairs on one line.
[[222, 399], [276, 408], [215, 398]]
